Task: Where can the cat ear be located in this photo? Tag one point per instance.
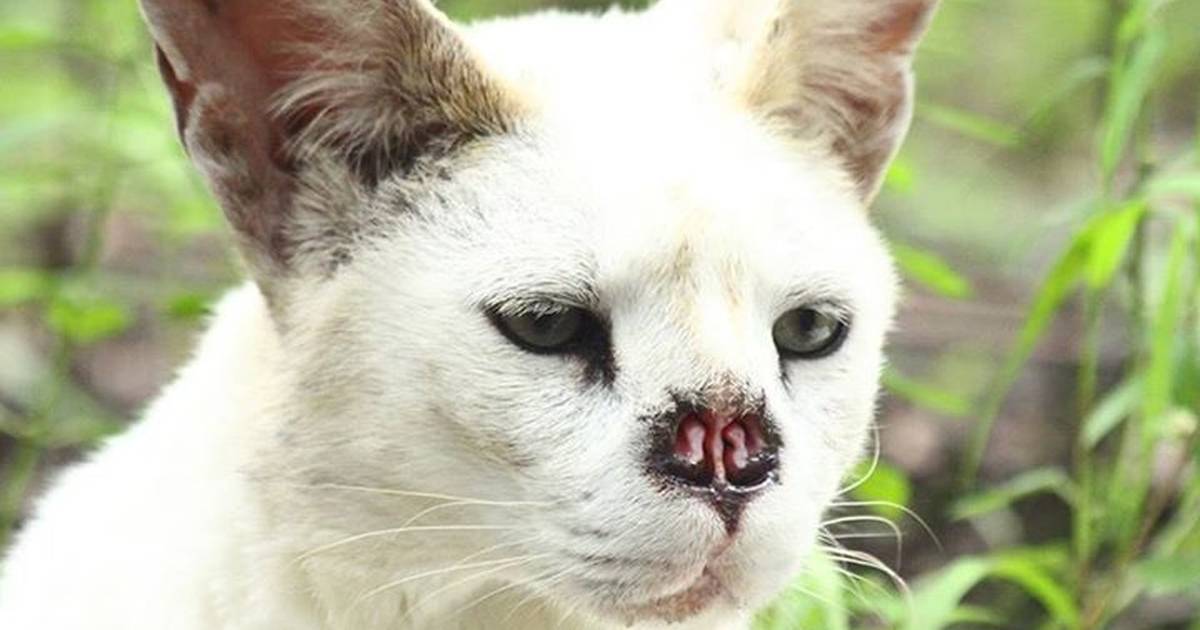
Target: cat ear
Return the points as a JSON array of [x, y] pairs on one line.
[[267, 89], [835, 71]]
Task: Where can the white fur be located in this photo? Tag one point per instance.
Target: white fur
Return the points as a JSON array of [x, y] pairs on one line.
[[239, 501]]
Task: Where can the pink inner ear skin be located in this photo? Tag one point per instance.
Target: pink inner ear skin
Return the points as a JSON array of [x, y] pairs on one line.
[[270, 38], [898, 32]]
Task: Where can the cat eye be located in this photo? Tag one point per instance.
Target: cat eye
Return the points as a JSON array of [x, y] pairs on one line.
[[809, 333], [549, 329]]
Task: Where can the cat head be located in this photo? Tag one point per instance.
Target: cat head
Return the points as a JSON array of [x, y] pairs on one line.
[[608, 281]]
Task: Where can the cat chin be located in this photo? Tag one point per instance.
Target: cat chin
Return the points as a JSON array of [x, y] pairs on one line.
[[706, 593], [721, 589]]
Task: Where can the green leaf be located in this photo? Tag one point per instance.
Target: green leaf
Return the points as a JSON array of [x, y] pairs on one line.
[[1171, 575], [1187, 372], [1110, 236], [901, 177], [930, 271], [978, 616], [970, 124], [1159, 371], [1023, 485], [936, 598], [1032, 576], [886, 485], [927, 396], [936, 601], [20, 286], [1108, 414], [1057, 285], [1175, 185], [15, 38], [189, 306], [87, 321], [1131, 84]]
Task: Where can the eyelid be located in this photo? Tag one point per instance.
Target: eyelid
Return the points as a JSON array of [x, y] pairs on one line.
[[816, 293], [533, 305], [837, 308]]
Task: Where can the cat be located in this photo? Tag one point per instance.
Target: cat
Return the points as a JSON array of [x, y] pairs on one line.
[[559, 321]]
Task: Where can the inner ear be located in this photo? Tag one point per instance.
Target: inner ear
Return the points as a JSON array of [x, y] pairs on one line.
[[390, 90], [897, 29], [837, 73], [273, 97]]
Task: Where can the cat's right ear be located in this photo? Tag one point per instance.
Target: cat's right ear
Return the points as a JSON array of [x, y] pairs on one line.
[[834, 73], [264, 88]]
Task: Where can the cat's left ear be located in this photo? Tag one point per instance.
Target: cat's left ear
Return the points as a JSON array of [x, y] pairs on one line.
[[291, 108], [837, 72]]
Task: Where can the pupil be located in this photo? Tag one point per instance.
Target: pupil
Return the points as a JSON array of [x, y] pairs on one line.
[[807, 323]]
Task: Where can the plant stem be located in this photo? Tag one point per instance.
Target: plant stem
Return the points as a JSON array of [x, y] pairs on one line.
[[1082, 517]]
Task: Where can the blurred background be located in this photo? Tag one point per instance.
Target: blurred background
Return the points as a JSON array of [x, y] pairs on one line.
[[1041, 412]]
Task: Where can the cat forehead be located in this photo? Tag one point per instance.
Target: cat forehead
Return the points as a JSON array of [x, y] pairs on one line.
[[727, 208], [630, 169], [636, 134]]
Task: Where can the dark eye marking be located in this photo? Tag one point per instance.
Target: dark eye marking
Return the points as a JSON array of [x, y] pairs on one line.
[[554, 329], [810, 332]]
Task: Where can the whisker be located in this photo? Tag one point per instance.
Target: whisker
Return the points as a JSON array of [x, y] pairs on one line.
[[821, 598], [570, 611], [863, 536], [866, 560], [860, 518], [403, 530], [435, 572], [867, 518], [501, 589], [875, 455], [533, 593], [854, 583], [430, 510], [423, 495], [895, 506], [851, 579], [479, 574], [487, 550], [854, 579]]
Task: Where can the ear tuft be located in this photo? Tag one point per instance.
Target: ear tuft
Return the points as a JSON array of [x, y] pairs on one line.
[[391, 85], [837, 72], [270, 93]]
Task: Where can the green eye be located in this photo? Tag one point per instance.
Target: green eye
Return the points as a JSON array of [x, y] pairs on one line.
[[560, 329], [809, 333]]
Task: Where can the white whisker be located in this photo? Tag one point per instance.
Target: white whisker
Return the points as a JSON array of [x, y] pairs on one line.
[[866, 560], [895, 506], [867, 518], [430, 510], [532, 592], [876, 453], [435, 572], [403, 530], [574, 608], [821, 598], [424, 495], [503, 545], [501, 589], [479, 574]]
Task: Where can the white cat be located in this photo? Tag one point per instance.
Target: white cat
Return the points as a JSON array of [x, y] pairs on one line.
[[562, 321]]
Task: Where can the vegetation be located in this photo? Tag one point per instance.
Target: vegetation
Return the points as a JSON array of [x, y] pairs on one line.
[[1055, 160]]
